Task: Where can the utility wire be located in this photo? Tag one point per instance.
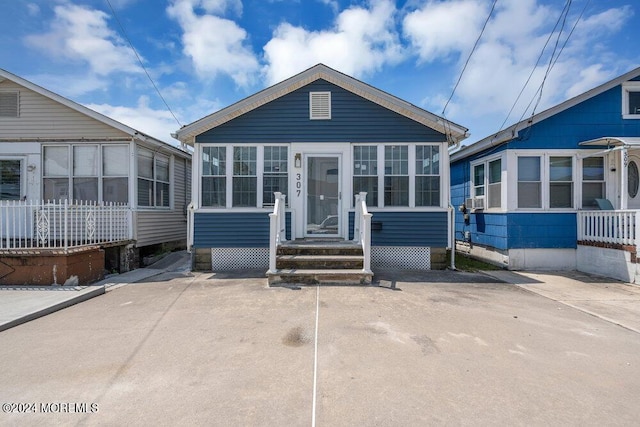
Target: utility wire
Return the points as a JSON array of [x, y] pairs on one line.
[[493, 6], [124, 33]]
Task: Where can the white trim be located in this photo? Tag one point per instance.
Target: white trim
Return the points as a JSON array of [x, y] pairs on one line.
[[340, 208], [503, 180], [320, 105], [632, 86]]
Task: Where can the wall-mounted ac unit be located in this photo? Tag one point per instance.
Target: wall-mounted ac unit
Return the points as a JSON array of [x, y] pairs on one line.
[[475, 203]]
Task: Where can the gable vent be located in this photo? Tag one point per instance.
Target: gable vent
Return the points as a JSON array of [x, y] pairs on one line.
[[8, 104], [320, 105]]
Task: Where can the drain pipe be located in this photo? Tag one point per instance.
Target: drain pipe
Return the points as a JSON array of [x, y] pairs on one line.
[[452, 236]]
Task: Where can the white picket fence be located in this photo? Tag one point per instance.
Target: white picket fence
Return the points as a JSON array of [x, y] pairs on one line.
[[61, 224], [613, 227]]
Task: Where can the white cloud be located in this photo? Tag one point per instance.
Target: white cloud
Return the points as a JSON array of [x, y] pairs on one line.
[[33, 9], [333, 4], [59, 83], [361, 41], [215, 45], [507, 54], [80, 33], [157, 123]]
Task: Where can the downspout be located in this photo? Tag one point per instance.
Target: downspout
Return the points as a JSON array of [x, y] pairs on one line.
[[452, 235]]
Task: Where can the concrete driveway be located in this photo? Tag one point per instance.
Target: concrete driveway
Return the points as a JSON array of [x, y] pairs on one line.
[[206, 349]]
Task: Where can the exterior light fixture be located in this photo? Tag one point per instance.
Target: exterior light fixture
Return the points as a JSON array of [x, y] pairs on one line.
[[298, 160]]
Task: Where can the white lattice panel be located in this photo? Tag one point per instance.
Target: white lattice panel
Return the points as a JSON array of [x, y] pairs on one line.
[[239, 258], [414, 258]]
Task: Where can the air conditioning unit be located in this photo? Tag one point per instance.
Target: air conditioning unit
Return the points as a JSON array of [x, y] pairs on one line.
[[475, 203]]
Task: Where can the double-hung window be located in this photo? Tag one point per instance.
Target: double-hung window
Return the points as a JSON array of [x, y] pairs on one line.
[[560, 182], [214, 176], [427, 175], [115, 173], [396, 175], [487, 182], [593, 185], [478, 180], [10, 179], [529, 182], [365, 172], [245, 188], [153, 179], [275, 177]]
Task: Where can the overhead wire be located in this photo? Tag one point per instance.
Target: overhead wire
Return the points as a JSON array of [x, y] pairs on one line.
[[124, 33]]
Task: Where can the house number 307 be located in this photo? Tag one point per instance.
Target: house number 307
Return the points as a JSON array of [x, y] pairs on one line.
[[298, 184]]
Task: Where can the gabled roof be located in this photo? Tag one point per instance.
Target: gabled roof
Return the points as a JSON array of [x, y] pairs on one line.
[[188, 133], [5, 75], [512, 131]]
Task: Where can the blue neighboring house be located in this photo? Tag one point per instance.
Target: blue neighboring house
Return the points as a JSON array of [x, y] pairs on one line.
[[538, 194], [320, 138]]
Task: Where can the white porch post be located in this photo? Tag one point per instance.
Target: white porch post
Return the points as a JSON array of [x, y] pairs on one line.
[[624, 172]]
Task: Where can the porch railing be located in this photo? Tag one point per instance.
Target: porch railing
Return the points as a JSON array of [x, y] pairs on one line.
[[612, 227], [277, 228], [362, 229], [62, 225]]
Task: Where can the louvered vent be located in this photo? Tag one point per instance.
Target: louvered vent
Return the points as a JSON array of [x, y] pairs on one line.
[[8, 104], [320, 105]]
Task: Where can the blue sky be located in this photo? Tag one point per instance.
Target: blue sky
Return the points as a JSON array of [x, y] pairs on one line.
[[204, 55]]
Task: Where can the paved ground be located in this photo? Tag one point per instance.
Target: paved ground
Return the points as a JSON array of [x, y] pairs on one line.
[[215, 349]]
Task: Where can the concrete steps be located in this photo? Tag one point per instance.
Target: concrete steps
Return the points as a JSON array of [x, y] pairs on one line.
[[319, 262]]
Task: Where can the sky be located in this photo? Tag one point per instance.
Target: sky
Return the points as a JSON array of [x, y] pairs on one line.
[[195, 57]]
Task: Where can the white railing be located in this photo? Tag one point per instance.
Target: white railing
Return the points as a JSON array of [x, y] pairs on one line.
[[362, 229], [277, 229], [62, 225], [614, 227]]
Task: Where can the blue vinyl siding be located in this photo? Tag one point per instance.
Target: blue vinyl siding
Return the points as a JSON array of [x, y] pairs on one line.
[[427, 229], [233, 230], [543, 230], [354, 119]]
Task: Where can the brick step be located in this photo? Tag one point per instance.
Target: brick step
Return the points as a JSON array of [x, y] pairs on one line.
[[331, 262], [319, 277]]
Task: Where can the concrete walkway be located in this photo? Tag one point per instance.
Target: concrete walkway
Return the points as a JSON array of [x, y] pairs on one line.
[[20, 304], [608, 299]]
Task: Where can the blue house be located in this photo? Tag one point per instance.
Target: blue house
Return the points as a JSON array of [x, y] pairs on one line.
[[558, 190], [306, 150]]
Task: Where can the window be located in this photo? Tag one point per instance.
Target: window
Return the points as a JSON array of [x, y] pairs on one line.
[[593, 186], [10, 172], [529, 182], [115, 172], [631, 100], [85, 172], [214, 181], [275, 177], [560, 182], [153, 179], [9, 104], [494, 199], [244, 176], [320, 105], [396, 176], [56, 172], [365, 172], [478, 180], [633, 180], [427, 175]]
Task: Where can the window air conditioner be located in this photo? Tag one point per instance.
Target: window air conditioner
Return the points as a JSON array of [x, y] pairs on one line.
[[475, 203]]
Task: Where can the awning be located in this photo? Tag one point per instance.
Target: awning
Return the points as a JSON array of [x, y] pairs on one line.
[[612, 143]]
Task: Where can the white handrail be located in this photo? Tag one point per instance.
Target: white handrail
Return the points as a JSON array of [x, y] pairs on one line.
[[190, 214], [277, 228], [362, 229], [609, 227]]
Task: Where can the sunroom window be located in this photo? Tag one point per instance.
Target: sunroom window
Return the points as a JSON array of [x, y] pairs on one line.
[[427, 175], [10, 181], [529, 182], [214, 181], [593, 185], [365, 172], [244, 176], [275, 178], [560, 182], [396, 175]]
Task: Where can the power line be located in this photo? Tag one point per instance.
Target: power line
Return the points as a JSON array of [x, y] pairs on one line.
[[493, 6], [124, 33]]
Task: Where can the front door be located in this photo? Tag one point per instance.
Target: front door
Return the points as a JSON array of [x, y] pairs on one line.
[[322, 210]]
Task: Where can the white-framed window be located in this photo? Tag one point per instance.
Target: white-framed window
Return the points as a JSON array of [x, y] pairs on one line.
[[87, 172], [427, 175], [248, 180], [631, 100], [529, 182], [214, 176], [153, 179], [9, 103], [593, 183], [320, 105], [276, 173], [396, 175], [10, 179], [365, 172], [487, 181], [560, 182]]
